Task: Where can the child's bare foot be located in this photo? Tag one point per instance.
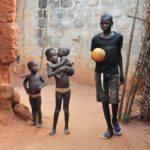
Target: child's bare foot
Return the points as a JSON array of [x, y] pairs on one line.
[[39, 125], [67, 131], [52, 132], [32, 124]]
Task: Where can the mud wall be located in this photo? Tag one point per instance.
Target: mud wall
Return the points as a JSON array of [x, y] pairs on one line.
[[9, 37], [73, 23]]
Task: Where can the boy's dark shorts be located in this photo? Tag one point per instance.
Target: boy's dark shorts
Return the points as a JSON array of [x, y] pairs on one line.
[[111, 88]]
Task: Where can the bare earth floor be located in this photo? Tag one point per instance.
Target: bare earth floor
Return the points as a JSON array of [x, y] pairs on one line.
[[87, 124]]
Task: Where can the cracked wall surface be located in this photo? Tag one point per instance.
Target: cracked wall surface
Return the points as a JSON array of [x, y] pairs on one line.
[[9, 36]]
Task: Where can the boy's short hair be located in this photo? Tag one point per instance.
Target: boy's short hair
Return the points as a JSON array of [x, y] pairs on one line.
[[30, 63], [66, 50], [49, 50], [107, 16]]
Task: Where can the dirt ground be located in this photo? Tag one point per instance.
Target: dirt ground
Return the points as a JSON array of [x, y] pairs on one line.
[[87, 124]]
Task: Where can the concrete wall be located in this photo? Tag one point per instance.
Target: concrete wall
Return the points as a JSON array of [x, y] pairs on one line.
[[73, 23]]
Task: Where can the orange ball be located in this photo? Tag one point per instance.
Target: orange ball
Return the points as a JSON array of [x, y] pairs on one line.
[[98, 54]]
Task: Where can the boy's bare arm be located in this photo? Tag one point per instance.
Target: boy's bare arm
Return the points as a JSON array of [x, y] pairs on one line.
[[121, 68], [69, 70], [25, 84], [63, 61], [52, 73], [70, 63], [43, 81]]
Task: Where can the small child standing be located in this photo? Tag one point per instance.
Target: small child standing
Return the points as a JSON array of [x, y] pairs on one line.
[[63, 91], [33, 84]]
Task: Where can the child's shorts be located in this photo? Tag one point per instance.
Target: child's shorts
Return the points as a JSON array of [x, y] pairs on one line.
[[108, 91]]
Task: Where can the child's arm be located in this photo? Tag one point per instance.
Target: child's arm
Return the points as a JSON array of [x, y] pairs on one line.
[[43, 81], [92, 48], [121, 69], [52, 73], [63, 61], [25, 84], [69, 63], [69, 70]]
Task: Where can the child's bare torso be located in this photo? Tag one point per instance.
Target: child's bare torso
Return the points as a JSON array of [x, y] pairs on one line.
[[34, 83], [63, 82]]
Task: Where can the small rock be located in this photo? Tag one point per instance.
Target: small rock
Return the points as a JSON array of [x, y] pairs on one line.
[[22, 111]]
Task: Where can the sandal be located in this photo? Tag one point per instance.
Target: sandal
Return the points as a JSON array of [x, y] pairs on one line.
[[117, 129], [108, 134], [32, 123]]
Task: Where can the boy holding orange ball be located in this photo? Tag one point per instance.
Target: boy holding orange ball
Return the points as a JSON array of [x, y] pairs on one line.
[[107, 73]]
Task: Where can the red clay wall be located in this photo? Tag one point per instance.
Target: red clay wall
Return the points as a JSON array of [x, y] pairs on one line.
[[9, 36]]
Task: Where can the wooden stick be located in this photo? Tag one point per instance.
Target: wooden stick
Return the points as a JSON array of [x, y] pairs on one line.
[[146, 112], [140, 115], [135, 17], [45, 39], [23, 58], [127, 62]]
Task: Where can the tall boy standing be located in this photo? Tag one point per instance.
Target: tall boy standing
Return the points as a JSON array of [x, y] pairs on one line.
[[111, 42]]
